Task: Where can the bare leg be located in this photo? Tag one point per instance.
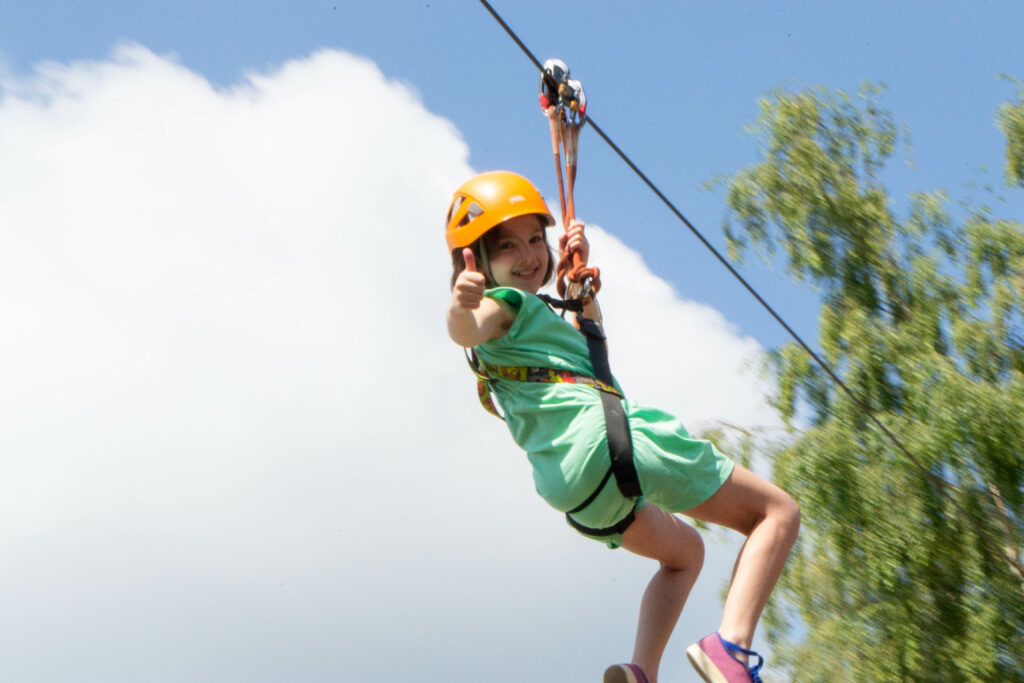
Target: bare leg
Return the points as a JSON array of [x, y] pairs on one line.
[[770, 519], [677, 546]]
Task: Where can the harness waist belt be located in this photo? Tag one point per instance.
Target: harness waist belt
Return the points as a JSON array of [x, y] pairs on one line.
[[487, 371]]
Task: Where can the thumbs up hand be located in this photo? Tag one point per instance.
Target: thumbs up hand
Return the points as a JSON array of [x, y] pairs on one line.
[[469, 285], [472, 318]]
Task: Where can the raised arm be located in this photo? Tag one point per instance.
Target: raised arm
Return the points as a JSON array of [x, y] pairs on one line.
[[473, 318]]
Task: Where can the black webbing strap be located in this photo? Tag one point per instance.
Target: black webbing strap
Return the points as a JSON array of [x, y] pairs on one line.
[[617, 528], [620, 443], [574, 305], [592, 496]]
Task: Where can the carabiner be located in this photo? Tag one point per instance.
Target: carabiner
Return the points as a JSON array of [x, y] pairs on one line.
[[576, 99]]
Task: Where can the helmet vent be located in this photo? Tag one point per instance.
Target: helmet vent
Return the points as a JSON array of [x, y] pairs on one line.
[[456, 203], [472, 211]]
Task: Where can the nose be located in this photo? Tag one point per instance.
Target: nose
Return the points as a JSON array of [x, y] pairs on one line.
[[527, 253]]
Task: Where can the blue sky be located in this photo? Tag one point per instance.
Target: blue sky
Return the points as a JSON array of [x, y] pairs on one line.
[[222, 457], [674, 83]]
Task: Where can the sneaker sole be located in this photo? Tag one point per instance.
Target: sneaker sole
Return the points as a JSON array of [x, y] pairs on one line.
[[704, 666], [618, 674]]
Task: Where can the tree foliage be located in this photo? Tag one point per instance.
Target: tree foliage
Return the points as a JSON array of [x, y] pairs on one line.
[[1011, 122], [907, 568]]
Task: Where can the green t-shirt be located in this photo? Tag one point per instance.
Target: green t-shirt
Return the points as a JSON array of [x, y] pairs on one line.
[[560, 426]]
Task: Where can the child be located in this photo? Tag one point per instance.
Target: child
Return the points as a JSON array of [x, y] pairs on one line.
[[496, 234]]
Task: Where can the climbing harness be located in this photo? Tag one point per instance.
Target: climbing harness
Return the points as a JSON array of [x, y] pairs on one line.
[[620, 444], [564, 103]]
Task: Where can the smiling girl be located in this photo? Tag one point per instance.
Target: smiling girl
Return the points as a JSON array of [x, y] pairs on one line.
[[540, 368]]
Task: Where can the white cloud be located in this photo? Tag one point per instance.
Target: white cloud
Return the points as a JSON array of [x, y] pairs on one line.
[[235, 442]]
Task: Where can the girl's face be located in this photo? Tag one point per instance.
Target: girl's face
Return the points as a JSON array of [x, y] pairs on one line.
[[518, 253]]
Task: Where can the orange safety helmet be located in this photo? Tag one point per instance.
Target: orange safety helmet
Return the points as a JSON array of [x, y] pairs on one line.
[[488, 199]]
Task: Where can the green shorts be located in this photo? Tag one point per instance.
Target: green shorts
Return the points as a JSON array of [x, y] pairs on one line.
[[677, 472]]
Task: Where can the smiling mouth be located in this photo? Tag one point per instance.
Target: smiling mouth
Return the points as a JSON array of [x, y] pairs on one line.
[[526, 274]]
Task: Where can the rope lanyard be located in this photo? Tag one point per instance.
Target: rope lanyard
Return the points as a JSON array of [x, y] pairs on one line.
[[564, 103]]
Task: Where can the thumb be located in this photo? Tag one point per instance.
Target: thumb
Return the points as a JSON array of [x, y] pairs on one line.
[[470, 259]]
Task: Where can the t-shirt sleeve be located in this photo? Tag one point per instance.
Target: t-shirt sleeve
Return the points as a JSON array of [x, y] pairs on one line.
[[512, 298]]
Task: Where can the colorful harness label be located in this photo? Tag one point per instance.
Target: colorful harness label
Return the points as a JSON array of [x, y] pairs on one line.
[[485, 372]]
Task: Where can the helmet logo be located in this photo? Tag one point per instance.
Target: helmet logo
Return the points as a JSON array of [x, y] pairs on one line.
[[516, 198]]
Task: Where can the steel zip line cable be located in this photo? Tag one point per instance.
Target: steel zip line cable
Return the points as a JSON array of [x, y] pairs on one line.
[[725, 262], [938, 481]]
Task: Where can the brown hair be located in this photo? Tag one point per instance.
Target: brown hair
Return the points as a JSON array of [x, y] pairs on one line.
[[459, 263]]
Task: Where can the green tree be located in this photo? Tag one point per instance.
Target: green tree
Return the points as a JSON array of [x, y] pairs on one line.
[[909, 564], [1011, 122]]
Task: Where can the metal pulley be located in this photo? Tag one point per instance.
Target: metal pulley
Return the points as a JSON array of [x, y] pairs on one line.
[[566, 94], [554, 75]]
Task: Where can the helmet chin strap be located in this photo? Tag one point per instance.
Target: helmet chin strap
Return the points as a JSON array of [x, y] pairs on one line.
[[485, 264]]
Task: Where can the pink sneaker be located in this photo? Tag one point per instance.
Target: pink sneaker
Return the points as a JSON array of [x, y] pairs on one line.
[[712, 659], [625, 673]]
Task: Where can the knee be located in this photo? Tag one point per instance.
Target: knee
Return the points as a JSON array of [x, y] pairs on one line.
[[689, 550], [788, 516]]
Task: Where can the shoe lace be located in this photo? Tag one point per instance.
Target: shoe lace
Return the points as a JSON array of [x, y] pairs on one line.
[[752, 670]]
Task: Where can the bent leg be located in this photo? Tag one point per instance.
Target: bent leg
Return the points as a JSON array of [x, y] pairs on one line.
[[678, 548], [770, 519]]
